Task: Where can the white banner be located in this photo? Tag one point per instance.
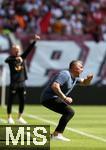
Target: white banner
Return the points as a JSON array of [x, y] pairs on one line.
[[52, 56]]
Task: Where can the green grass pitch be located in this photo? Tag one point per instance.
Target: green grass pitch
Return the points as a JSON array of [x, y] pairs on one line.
[[87, 129]]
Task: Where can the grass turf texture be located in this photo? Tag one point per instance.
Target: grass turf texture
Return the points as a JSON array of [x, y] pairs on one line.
[[88, 119]]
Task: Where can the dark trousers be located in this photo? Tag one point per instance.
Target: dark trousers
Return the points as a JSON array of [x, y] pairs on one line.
[[17, 89], [61, 107]]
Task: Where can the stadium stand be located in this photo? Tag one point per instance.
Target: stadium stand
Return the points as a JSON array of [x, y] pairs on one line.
[[76, 17]]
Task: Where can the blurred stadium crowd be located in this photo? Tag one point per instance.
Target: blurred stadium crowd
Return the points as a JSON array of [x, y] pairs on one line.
[[66, 17]]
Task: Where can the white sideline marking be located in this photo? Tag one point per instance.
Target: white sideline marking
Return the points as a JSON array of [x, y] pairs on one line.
[[67, 128]]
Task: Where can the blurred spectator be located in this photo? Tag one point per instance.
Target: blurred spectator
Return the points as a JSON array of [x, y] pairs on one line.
[[58, 27], [45, 22], [103, 29], [77, 26], [76, 17]]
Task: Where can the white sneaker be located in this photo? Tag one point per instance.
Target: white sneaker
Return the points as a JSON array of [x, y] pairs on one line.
[[59, 137], [21, 120], [11, 121]]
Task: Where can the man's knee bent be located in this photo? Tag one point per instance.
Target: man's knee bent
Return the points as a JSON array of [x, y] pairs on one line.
[[70, 112]]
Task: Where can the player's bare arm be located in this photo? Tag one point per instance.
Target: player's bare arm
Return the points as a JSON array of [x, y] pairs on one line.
[[87, 80], [56, 88]]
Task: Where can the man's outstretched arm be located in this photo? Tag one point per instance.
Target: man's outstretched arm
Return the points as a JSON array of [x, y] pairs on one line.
[[27, 51]]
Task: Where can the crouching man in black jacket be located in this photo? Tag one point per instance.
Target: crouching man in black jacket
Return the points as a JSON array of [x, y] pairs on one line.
[[18, 75]]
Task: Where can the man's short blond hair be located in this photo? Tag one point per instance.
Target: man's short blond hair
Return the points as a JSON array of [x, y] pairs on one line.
[[16, 46]]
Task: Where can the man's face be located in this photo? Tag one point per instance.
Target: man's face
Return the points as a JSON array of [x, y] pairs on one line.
[[77, 69], [15, 50]]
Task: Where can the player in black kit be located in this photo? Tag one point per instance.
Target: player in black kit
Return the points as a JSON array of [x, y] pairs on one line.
[[18, 75]]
